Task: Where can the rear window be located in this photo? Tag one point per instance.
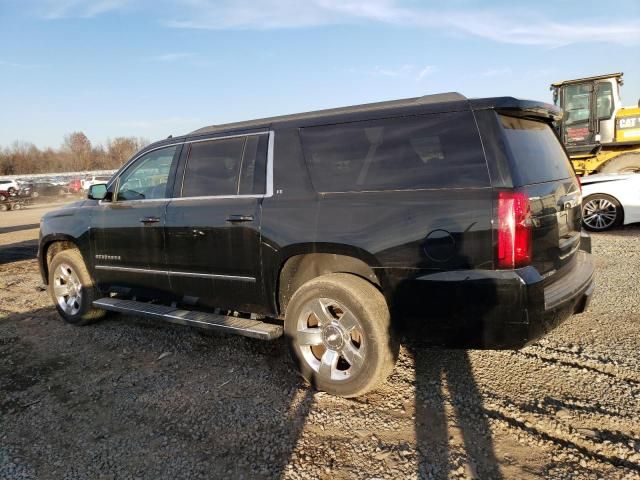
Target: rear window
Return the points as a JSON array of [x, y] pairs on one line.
[[428, 151], [535, 150]]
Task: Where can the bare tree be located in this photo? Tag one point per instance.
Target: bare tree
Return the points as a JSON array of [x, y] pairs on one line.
[[76, 154], [79, 146]]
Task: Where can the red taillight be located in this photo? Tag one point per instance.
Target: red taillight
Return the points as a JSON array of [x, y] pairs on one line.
[[514, 230]]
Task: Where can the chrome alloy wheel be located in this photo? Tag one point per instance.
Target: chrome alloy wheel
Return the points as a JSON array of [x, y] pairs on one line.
[[331, 339], [67, 289], [599, 213]]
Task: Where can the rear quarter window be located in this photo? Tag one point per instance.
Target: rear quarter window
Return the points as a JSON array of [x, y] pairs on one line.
[[406, 153], [535, 151]]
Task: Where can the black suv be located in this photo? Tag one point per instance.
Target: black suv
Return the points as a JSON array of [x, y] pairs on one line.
[[338, 228]]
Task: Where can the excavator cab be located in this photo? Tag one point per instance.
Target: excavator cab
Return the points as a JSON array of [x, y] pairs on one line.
[[589, 105]]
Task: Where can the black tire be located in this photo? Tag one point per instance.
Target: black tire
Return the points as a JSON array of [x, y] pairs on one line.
[[16, 206], [11, 190], [4, 207], [604, 206], [83, 284], [2, 197], [375, 341], [625, 163]]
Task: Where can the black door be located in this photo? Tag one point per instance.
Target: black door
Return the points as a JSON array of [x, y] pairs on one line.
[[127, 233], [213, 224]]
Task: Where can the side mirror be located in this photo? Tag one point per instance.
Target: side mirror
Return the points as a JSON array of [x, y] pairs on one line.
[[97, 191]]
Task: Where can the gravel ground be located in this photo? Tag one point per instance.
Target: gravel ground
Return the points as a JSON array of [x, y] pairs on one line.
[[128, 398]]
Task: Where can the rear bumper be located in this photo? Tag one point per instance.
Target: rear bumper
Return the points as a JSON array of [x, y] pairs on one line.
[[491, 309]]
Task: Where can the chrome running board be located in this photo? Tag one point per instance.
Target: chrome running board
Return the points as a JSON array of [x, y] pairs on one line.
[[209, 321]]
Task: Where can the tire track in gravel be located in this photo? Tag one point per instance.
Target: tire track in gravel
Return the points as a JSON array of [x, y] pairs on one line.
[[580, 363], [540, 427]]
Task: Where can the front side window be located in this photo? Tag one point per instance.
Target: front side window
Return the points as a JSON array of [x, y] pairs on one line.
[[427, 151], [147, 178]]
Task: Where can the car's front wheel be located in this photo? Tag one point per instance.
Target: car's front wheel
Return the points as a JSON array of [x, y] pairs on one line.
[[72, 289], [601, 212], [340, 334]]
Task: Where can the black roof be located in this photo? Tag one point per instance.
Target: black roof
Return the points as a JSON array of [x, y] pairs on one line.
[[442, 102], [439, 98]]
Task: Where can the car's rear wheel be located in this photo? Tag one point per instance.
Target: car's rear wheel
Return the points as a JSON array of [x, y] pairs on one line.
[[340, 334], [601, 212], [72, 289]]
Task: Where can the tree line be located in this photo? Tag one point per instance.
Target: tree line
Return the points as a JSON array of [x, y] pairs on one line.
[[76, 154]]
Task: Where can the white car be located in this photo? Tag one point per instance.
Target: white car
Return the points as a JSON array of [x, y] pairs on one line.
[[610, 199], [95, 179], [9, 186]]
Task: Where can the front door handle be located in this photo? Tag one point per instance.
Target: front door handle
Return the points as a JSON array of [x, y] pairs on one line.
[[240, 218], [147, 220]]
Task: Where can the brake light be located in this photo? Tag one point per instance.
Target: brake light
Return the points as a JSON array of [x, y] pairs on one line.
[[514, 230]]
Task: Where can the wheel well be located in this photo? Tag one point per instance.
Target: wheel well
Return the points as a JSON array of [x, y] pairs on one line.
[[299, 269], [52, 249]]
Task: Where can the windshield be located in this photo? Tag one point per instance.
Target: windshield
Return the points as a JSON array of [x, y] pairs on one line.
[[536, 151]]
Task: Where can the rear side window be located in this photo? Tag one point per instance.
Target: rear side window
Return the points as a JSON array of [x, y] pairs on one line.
[[429, 151], [535, 151], [231, 166]]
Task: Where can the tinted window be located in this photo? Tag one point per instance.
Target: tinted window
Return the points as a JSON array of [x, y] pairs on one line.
[[213, 167], [536, 151], [254, 166], [396, 154], [147, 177]]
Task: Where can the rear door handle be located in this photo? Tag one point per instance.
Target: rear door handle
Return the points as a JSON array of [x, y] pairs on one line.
[[146, 220], [239, 218]]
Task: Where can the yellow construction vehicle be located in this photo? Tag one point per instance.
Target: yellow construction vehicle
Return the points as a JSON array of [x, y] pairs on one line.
[[599, 134]]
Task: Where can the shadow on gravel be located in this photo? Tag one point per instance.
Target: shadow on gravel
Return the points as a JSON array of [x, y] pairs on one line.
[[436, 370], [19, 228], [15, 252]]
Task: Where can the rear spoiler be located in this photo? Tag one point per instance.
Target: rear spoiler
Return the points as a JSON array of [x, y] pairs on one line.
[[519, 108]]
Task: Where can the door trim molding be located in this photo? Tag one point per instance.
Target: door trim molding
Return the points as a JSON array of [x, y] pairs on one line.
[[152, 271]]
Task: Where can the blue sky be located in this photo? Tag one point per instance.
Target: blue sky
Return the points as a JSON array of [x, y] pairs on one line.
[[153, 68]]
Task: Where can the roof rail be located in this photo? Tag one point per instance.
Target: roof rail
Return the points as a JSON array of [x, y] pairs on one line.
[[441, 98]]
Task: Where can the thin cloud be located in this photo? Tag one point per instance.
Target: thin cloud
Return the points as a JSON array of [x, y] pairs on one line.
[[16, 65], [58, 9], [172, 57], [524, 27], [405, 72], [426, 71]]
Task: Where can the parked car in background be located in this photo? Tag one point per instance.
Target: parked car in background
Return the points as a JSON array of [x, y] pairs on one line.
[[9, 186], [75, 185], [43, 189], [94, 180], [610, 200]]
